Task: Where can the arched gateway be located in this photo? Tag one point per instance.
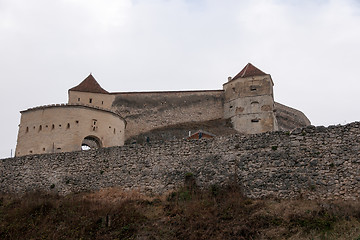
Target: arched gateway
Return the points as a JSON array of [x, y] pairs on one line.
[[91, 142]]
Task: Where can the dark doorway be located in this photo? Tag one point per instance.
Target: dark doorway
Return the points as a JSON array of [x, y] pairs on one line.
[[90, 142]]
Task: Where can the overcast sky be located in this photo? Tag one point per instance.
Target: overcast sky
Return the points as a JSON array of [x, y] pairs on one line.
[[311, 48]]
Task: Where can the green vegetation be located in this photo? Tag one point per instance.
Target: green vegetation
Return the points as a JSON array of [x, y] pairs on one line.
[[188, 213]]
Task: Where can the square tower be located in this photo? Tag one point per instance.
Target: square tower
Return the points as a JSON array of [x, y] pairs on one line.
[[249, 101]]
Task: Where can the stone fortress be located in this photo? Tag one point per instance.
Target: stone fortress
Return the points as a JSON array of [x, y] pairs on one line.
[[95, 118], [299, 160]]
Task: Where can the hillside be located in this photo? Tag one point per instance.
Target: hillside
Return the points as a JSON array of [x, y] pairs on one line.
[[188, 213]]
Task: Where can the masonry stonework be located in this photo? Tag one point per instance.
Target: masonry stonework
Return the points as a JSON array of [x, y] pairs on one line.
[[65, 128], [149, 110], [247, 100], [312, 162]]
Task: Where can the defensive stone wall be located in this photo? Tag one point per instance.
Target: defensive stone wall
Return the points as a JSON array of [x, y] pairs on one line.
[[289, 118], [145, 111], [313, 162]]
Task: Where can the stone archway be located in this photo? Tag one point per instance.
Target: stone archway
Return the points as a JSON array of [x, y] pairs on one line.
[[90, 142]]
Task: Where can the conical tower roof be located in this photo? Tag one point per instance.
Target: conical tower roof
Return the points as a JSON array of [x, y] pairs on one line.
[[249, 71], [89, 85]]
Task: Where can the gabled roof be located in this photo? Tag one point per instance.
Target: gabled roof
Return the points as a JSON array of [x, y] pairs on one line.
[[249, 71], [89, 85]]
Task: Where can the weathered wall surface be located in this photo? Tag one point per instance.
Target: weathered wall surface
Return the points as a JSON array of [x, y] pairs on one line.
[[289, 118], [149, 110], [312, 162], [249, 102], [93, 99], [62, 128]]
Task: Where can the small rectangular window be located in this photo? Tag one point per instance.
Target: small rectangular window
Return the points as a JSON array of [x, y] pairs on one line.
[[78, 99], [90, 100], [255, 120], [252, 88]]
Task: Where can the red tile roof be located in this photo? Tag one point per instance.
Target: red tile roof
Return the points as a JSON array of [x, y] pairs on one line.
[[89, 85], [249, 71], [201, 134]]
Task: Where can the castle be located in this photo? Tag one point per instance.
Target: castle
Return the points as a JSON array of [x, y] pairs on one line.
[[95, 118]]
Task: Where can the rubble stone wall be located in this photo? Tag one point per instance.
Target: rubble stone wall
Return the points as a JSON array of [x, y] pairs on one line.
[[313, 162]]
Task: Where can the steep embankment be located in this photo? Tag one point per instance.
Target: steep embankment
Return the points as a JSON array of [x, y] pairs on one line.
[[188, 213]]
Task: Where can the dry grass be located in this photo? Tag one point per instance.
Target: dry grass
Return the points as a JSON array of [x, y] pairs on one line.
[[189, 213]]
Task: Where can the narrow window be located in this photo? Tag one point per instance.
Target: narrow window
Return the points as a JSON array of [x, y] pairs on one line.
[[68, 126], [255, 120], [59, 125], [231, 106], [53, 126], [90, 100], [30, 151], [40, 128], [109, 126], [27, 129], [78, 99], [94, 127], [44, 149], [114, 130], [102, 102], [76, 121], [46, 126]]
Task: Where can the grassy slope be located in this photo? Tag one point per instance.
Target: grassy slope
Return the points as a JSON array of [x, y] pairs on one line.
[[218, 127], [188, 213]]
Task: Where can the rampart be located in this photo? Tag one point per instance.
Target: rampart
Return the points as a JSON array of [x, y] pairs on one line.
[[313, 162], [145, 111]]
